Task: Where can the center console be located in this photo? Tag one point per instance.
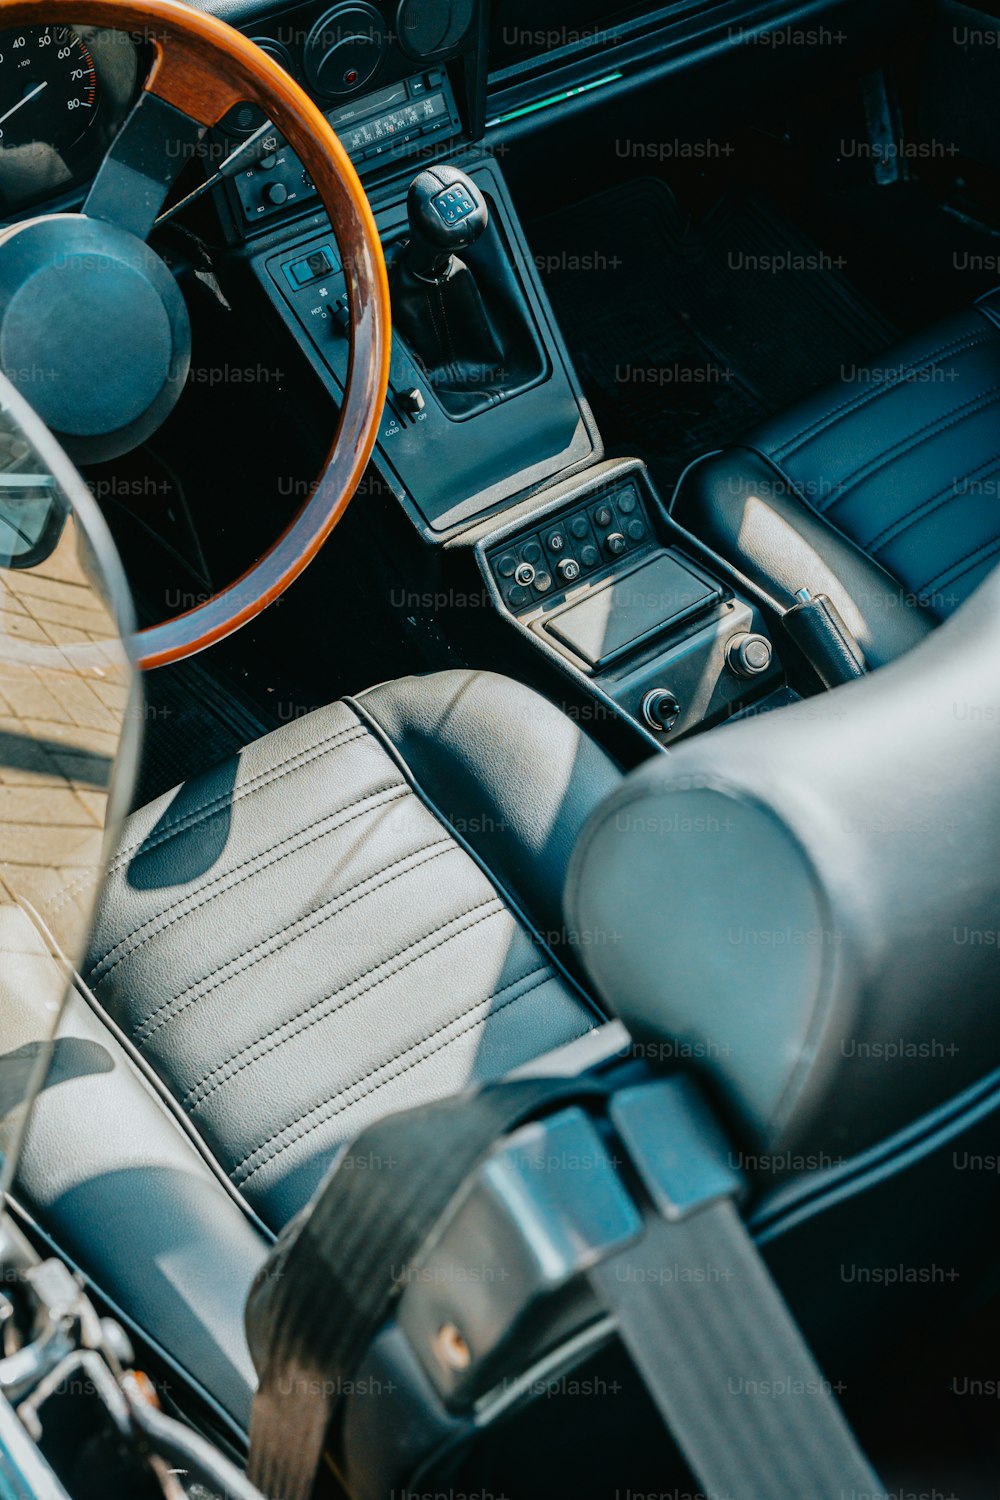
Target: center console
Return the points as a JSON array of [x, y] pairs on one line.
[[486, 440], [601, 578]]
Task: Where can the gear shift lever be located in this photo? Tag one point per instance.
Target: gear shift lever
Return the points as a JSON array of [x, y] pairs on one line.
[[447, 213], [445, 310]]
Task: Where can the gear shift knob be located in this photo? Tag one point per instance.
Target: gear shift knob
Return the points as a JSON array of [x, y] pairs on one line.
[[447, 213]]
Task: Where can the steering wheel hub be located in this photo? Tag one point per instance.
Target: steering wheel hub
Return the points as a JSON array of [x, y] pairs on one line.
[[93, 332]]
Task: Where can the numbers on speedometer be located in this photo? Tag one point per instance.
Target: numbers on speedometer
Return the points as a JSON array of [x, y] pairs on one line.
[[48, 87]]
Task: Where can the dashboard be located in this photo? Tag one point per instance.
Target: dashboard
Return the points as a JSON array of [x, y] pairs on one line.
[[378, 69], [64, 93]]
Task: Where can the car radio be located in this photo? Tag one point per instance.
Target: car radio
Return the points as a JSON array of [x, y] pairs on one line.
[[373, 129]]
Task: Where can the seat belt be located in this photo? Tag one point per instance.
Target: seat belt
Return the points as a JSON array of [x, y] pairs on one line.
[[726, 1365], [328, 1285], [721, 1355]]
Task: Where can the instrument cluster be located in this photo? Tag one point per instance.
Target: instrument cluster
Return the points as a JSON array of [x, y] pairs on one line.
[[64, 92]]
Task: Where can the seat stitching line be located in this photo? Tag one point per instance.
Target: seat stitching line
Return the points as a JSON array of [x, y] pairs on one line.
[[925, 434], [195, 900], [473, 1024], [326, 999], [925, 509], [273, 1040], [411, 862], [855, 403], [207, 810], [948, 575], [334, 906]]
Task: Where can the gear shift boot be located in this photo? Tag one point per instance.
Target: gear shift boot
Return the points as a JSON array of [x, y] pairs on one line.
[[464, 316]]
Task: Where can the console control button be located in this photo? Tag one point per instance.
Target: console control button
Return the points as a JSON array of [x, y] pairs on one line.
[[340, 314], [590, 556], [532, 552], [507, 565], [518, 597], [615, 544], [525, 574], [543, 582], [604, 516], [578, 526], [276, 194], [556, 541], [569, 570], [627, 503], [636, 531], [749, 655], [412, 402], [660, 710], [312, 267]]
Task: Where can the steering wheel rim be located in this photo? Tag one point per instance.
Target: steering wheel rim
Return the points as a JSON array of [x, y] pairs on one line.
[[202, 67]]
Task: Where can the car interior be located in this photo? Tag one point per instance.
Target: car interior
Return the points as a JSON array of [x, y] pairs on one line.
[[553, 455]]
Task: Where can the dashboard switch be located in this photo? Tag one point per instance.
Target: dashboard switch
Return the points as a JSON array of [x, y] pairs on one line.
[[615, 544], [412, 402], [660, 710], [569, 569]]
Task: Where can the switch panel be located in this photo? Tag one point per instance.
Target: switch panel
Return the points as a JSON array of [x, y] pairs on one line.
[[570, 549]]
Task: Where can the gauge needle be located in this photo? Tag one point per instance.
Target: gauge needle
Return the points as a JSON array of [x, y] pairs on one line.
[[26, 100]]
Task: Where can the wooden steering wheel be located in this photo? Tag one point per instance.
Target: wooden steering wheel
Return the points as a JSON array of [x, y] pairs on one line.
[[201, 68]]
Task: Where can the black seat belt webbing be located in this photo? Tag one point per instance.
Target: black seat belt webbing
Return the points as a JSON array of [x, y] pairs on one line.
[[329, 1286], [726, 1365], [724, 1361]]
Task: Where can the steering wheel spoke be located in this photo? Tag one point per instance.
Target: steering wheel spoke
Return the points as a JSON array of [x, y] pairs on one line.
[[142, 165]]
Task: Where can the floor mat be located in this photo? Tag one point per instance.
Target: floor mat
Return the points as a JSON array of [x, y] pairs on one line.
[[685, 335], [193, 720]]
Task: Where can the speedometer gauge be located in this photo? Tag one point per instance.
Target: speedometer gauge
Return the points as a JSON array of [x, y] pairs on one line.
[[48, 87]]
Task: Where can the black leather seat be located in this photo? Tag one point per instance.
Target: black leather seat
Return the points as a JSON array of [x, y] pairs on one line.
[[362, 911], [882, 491]]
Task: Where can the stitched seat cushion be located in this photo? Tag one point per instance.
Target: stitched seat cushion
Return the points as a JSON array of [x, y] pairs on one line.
[[908, 463], [296, 943]]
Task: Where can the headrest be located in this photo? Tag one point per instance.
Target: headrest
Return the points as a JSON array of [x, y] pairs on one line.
[[806, 906]]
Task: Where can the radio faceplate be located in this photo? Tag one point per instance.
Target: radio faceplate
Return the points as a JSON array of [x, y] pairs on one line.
[[405, 119]]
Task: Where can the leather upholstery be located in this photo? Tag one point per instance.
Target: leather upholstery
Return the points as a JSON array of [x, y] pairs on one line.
[[123, 1193], [882, 491], [325, 930]]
